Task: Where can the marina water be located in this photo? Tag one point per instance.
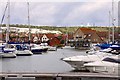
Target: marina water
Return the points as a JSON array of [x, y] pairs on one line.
[[49, 62]]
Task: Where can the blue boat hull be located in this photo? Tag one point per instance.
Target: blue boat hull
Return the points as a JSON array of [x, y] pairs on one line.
[[44, 50], [36, 51], [39, 51], [105, 46]]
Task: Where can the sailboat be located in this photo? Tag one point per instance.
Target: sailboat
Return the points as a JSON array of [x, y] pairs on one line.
[[23, 49], [114, 45], [33, 48], [6, 51]]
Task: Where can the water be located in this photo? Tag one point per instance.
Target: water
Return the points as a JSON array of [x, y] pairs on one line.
[[49, 62], [46, 63]]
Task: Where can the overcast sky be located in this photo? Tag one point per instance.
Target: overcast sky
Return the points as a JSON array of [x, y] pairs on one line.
[[56, 13]]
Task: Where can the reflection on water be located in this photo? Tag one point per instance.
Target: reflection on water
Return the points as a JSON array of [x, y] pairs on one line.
[[46, 63]]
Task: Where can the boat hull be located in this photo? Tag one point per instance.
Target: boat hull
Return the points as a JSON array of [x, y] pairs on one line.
[[36, 51], [77, 65], [8, 55], [52, 49], [45, 50], [24, 53], [103, 69]]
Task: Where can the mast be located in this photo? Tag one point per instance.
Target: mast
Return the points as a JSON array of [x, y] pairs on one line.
[[2, 20], [113, 26], [29, 23], [109, 27], [8, 22], [29, 26]]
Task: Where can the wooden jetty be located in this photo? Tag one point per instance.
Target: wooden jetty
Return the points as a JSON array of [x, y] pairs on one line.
[[61, 76]]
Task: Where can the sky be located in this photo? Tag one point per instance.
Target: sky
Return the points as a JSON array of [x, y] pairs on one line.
[[60, 13]]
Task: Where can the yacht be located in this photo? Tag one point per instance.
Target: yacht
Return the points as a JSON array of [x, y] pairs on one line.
[[109, 65], [77, 62], [6, 51]]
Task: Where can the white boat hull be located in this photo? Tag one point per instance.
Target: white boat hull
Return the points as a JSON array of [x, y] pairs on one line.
[[8, 55], [103, 67], [52, 48], [78, 62], [23, 53], [77, 65]]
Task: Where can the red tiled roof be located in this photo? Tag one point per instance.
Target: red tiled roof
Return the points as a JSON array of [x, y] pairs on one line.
[[103, 33], [50, 35], [87, 30]]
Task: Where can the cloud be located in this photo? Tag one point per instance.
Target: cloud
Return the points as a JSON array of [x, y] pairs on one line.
[[88, 12], [59, 13]]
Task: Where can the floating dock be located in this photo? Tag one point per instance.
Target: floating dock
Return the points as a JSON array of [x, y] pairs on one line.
[[61, 76]]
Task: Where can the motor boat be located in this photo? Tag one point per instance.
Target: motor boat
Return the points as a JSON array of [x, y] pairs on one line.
[[109, 65], [77, 62]]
